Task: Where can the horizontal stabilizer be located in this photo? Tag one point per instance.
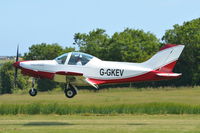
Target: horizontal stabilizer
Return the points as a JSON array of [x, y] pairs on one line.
[[169, 74]]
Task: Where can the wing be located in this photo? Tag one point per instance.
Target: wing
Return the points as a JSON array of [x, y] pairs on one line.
[[74, 78]]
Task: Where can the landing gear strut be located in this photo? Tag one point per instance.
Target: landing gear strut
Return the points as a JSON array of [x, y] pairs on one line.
[[70, 91], [33, 91]]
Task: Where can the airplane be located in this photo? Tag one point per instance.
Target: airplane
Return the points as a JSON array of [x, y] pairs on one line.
[[77, 68]]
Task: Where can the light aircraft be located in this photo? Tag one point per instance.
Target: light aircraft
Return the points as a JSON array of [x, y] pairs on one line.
[[76, 68]]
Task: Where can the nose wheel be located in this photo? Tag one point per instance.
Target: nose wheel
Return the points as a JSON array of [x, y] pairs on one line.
[[33, 91], [70, 91]]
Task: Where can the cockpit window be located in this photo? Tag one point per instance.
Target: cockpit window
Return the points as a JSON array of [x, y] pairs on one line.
[[79, 58], [61, 59]]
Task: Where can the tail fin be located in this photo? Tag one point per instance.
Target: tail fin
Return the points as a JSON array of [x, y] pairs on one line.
[[166, 58]]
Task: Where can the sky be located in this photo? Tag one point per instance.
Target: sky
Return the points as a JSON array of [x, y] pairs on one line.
[[27, 22]]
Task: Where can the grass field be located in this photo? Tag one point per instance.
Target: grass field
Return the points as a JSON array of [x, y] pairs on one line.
[[100, 124], [147, 101], [113, 96], [113, 101]]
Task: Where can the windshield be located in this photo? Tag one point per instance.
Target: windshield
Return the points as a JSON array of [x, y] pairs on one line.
[[61, 59], [78, 58]]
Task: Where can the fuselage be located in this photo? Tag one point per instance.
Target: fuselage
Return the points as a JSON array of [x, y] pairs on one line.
[[94, 69]]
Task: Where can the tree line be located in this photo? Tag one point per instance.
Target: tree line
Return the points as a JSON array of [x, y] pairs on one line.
[[130, 45]]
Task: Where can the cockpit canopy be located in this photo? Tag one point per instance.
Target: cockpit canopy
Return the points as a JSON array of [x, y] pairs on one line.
[[61, 59], [74, 58]]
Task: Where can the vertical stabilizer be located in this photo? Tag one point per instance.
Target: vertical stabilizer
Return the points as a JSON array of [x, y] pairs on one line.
[[166, 58]]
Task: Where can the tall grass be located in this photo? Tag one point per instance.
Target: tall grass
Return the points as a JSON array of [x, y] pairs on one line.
[[62, 109]]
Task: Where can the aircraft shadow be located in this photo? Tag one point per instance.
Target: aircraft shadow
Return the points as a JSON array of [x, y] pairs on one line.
[[47, 124], [71, 124]]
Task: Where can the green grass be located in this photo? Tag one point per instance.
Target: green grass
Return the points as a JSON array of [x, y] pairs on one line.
[[63, 109], [112, 101], [113, 110], [99, 124], [116, 96]]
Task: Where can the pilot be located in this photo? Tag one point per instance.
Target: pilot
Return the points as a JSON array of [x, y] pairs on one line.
[[79, 60]]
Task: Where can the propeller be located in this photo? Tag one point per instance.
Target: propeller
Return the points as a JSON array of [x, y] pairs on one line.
[[16, 68]]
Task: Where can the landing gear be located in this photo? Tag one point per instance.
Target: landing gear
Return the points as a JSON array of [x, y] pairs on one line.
[[70, 91], [33, 91]]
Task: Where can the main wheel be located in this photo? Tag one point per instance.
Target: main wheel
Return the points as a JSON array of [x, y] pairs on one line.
[[70, 92], [33, 92]]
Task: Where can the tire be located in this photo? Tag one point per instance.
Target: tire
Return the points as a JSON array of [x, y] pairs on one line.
[[33, 92], [70, 92]]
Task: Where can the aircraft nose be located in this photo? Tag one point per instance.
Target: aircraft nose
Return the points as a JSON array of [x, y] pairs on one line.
[[16, 64]]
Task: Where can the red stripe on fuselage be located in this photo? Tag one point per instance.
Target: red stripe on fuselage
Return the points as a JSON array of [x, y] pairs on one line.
[[37, 74], [150, 76]]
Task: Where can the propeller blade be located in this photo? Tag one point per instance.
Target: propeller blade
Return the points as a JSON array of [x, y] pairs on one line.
[[16, 69], [17, 56]]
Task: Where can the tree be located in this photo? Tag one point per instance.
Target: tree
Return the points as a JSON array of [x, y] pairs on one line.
[[95, 43], [129, 45], [133, 45], [187, 34], [7, 79], [45, 51]]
